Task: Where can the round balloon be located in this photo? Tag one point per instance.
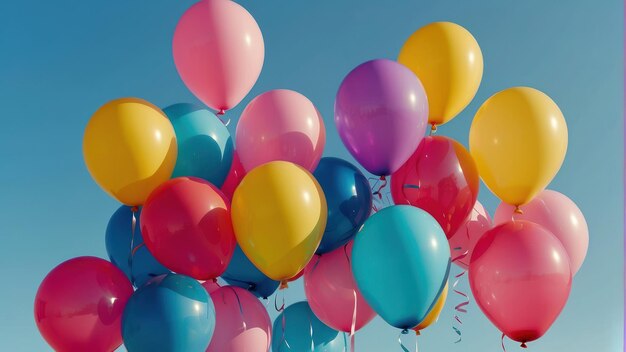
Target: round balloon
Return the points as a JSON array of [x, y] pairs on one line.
[[462, 243], [381, 112], [332, 293], [205, 148], [218, 51], [441, 178], [449, 63], [559, 215], [518, 139], [435, 311], [242, 273], [170, 313], [234, 177], [130, 148], [400, 262], [279, 214], [349, 198], [242, 322], [186, 225], [79, 305], [127, 250], [520, 277], [303, 331], [280, 125]]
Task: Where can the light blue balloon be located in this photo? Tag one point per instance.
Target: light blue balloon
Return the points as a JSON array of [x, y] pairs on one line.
[[171, 313], [141, 266], [205, 147], [401, 262], [300, 323]]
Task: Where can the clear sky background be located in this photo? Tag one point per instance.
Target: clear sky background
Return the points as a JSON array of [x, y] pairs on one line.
[[60, 60]]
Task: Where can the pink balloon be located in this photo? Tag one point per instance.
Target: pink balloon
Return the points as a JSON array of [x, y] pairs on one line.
[[218, 51], [466, 237], [520, 277], [79, 305], [280, 125], [331, 290], [242, 323], [559, 215]]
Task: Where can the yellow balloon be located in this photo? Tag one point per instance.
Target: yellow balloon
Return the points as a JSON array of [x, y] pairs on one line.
[[130, 148], [433, 315], [518, 139], [448, 61], [279, 215]]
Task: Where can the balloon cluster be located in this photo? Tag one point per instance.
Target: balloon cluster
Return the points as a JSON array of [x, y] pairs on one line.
[[270, 209]]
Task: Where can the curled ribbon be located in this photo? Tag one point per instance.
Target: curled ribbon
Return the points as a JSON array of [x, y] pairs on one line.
[[281, 309], [459, 308], [403, 332], [243, 317], [133, 250], [353, 324]]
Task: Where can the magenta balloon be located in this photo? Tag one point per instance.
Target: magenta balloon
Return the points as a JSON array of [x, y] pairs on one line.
[[466, 237], [559, 215], [331, 290], [381, 113], [520, 277], [280, 125], [242, 322], [218, 51]]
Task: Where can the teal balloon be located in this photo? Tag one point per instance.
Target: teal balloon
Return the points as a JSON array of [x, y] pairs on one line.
[[205, 147], [171, 313], [303, 331], [401, 262]]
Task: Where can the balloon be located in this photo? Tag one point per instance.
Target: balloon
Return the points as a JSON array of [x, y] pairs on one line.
[[242, 273], [518, 139], [127, 250], [521, 278], [280, 125], [186, 225], [234, 177], [279, 215], [79, 305], [205, 148], [381, 112], [449, 63], [559, 215], [441, 178], [332, 293], [218, 51], [171, 313], [400, 262], [303, 331], [349, 199], [433, 315], [242, 323], [130, 148], [464, 240]]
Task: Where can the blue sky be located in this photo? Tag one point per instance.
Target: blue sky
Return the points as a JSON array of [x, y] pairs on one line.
[[61, 60]]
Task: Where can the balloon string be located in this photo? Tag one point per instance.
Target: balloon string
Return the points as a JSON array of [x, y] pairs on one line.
[[243, 317], [461, 307], [219, 115], [281, 310], [133, 250], [403, 332], [311, 334], [433, 129], [503, 348]]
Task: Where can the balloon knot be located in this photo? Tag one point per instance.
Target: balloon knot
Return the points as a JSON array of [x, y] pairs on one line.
[[383, 178], [134, 209], [433, 128], [284, 284], [417, 332], [405, 331], [220, 112], [518, 210], [523, 345]]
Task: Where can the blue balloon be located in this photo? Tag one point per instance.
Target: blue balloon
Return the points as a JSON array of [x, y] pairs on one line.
[[171, 313], [205, 147], [242, 273], [349, 198], [305, 332], [142, 266], [401, 262]]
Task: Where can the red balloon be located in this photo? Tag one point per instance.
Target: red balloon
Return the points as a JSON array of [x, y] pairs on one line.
[[440, 178], [234, 177], [185, 223], [79, 305], [521, 278]]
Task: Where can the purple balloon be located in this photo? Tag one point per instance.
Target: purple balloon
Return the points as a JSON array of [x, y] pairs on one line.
[[381, 113]]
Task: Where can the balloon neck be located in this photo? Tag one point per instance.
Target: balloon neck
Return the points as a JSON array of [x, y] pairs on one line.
[[523, 345], [284, 284], [220, 112], [518, 210], [134, 209]]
